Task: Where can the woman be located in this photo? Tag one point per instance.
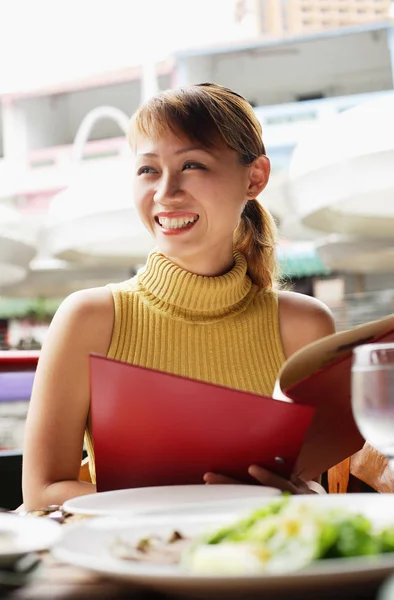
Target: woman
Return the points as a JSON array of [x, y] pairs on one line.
[[205, 304]]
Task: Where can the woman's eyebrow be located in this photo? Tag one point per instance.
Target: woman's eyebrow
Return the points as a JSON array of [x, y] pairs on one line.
[[180, 151], [191, 149]]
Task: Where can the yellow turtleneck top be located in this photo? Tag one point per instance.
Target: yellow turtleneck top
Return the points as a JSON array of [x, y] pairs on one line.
[[223, 330]]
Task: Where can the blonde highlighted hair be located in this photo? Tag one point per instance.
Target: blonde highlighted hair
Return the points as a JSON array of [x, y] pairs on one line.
[[211, 115]]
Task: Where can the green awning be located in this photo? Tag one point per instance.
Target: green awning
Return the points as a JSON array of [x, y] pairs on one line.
[[21, 307], [295, 263]]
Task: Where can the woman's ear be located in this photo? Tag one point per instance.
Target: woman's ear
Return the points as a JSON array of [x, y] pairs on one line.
[[258, 176]]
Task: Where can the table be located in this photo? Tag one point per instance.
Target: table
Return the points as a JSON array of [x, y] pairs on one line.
[[57, 581]]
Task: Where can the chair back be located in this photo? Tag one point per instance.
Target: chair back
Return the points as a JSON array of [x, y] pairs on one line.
[[368, 466]]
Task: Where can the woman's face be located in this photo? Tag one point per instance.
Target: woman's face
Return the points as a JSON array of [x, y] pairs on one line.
[[190, 198]]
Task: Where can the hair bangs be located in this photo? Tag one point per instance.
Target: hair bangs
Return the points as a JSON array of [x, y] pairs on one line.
[[177, 112]]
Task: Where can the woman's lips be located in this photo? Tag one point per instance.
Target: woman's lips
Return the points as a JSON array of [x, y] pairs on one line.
[[176, 214], [175, 223]]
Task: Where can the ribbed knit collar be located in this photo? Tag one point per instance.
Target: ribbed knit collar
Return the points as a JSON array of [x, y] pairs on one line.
[[179, 289]]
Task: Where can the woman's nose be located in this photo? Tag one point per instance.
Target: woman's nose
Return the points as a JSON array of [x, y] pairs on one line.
[[167, 191]]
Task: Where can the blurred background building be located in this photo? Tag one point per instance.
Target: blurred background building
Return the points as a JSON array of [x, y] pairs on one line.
[[282, 17], [320, 75]]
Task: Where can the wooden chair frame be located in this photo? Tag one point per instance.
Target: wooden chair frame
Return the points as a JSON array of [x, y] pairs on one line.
[[368, 466]]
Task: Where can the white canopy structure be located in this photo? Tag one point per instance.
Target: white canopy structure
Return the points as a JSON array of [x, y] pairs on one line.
[[342, 182], [356, 254], [17, 246], [53, 278], [94, 219], [341, 174]]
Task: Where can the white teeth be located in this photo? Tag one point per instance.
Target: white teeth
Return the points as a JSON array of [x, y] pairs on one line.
[[176, 223]]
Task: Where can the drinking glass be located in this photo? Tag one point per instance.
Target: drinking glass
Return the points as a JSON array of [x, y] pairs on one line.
[[373, 395]]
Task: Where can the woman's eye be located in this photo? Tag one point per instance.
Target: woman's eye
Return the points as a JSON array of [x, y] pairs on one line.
[[192, 165], [145, 170]]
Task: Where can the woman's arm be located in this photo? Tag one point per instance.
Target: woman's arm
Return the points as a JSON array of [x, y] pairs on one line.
[[303, 320], [60, 399]]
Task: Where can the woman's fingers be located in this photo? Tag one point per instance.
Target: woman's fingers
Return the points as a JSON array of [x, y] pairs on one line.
[[215, 478], [294, 486], [264, 477], [270, 479]]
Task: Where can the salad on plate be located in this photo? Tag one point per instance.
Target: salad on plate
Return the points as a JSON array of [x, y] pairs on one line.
[[280, 537]]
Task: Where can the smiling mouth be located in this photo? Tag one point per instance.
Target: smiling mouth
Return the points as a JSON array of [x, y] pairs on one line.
[[176, 223]]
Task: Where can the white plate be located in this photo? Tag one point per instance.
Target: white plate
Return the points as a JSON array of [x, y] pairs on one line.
[[165, 499], [20, 535], [88, 544]]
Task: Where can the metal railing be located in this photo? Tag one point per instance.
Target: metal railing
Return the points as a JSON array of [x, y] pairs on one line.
[[360, 308]]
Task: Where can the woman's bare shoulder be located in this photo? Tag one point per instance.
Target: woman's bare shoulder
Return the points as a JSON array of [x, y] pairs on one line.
[[302, 320], [98, 299], [86, 317]]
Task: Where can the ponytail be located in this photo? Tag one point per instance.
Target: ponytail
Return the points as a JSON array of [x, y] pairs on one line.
[[255, 238]]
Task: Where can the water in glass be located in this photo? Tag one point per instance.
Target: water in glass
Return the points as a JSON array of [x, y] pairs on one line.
[[373, 395]]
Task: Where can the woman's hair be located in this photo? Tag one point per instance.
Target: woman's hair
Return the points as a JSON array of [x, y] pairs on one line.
[[211, 115]]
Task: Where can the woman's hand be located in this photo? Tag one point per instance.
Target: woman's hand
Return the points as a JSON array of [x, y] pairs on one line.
[[294, 485]]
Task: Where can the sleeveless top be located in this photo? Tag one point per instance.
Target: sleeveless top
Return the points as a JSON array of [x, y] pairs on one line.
[[223, 330]]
